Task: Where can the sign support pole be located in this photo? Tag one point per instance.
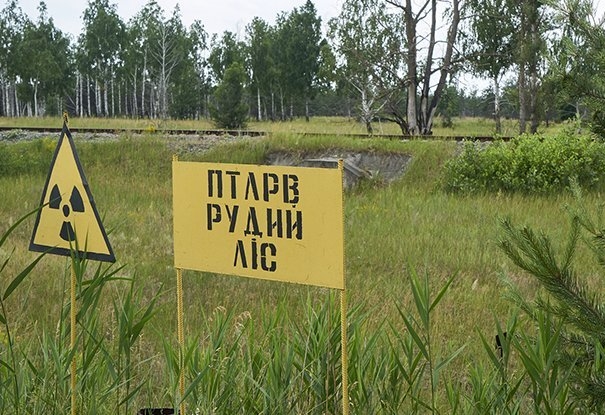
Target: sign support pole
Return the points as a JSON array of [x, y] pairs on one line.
[[181, 337], [73, 313], [343, 323], [180, 331], [343, 347], [206, 199]]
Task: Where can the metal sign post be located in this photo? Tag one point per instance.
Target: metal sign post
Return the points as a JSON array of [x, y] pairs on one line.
[[68, 224], [276, 223]]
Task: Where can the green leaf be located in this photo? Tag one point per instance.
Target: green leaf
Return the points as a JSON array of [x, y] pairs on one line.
[[6, 365], [420, 293], [132, 394], [441, 293], [446, 362], [420, 343], [16, 224], [19, 278], [6, 262]]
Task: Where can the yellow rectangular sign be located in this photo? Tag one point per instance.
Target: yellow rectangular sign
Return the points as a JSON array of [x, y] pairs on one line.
[[271, 222]]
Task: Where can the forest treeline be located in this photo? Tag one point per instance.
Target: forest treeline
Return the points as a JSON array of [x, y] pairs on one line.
[[397, 60]]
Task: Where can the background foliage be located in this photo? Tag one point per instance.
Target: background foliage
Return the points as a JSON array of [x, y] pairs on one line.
[[528, 164]]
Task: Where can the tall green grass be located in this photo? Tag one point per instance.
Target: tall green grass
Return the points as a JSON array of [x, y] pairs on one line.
[[261, 347]]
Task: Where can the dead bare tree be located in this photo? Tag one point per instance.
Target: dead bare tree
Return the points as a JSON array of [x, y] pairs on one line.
[[427, 73]]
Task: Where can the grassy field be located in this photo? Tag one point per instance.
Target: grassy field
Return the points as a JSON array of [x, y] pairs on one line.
[[392, 232], [325, 125]]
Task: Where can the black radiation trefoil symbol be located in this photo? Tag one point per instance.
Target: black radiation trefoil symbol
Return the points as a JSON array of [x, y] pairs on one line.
[[76, 204]]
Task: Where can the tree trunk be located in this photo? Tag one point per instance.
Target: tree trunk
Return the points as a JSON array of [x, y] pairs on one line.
[[143, 84], [135, 107], [366, 111], [105, 99], [150, 113], [9, 111], [162, 101], [259, 110], [524, 62], [533, 103], [410, 31], [80, 111], [127, 105], [349, 114], [17, 105], [98, 107], [283, 109], [113, 98], [88, 109], [3, 88], [35, 99], [9, 103], [424, 115], [522, 100], [533, 75], [77, 93], [445, 68], [497, 105], [307, 116]]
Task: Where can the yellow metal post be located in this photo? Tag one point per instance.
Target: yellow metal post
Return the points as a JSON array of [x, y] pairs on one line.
[[72, 343], [181, 336], [180, 330], [343, 321], [344, 357]]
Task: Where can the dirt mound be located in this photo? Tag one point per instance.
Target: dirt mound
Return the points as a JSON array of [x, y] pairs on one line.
[[357, 164]]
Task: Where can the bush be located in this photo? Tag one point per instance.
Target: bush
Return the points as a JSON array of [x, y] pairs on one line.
[[528, 164]]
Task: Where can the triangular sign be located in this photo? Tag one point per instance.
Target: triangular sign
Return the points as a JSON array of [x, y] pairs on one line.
[[68, 218]]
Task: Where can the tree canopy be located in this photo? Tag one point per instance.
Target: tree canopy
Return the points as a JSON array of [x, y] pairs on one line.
[[378, 59]]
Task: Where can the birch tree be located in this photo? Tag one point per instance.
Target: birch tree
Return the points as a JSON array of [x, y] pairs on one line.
[[427, 68], [369, 42], [529, 47], [168, 51], [259, 36], [42, 63], [101, 50], [489, 45], [12, 26]]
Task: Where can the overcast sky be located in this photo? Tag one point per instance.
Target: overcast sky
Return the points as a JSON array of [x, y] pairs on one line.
[[216, 15]]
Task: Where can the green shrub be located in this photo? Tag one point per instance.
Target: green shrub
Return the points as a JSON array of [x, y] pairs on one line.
[[528, 164]]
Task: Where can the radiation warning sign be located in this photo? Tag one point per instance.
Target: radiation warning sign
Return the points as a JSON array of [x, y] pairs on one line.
[[270, 222], [68, 219]]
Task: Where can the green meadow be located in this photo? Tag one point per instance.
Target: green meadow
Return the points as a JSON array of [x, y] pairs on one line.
[[254, 346], [466, 126]]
